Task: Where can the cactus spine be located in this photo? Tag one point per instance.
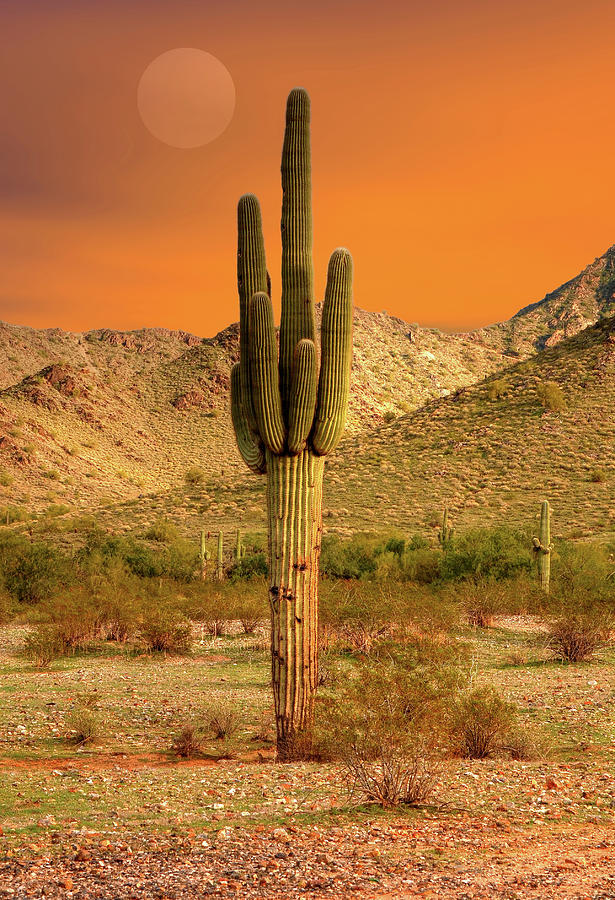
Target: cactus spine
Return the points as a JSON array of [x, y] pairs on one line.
[[220, 557], [445, 534], [543, 547], [288, 414]]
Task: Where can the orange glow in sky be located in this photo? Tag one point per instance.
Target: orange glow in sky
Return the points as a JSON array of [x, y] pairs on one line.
[[463, 152]]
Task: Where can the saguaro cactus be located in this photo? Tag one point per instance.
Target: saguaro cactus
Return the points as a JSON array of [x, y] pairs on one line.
[[220, 557], [288, 414], [204, 556], [239, 548], [543, 547], [446, 532]]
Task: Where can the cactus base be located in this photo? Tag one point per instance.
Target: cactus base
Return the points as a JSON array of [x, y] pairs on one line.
[[294, 505]]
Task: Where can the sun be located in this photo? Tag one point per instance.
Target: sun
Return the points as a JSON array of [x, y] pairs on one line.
[[186, 97]]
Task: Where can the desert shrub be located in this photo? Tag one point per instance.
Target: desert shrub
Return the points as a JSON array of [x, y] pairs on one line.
[[6, 479], [354, 558], [481, 600], [250, 566], [551, 396], [206, 603], [194, 476], [597, 476], [386, 721], [162, 531], [525, 743], [480, 722], [165, 630], [33, 571], [11, 513], [189, 742], [575, 634], [42, 646], [355, 615], [8, 607], [84, 726], [584, 570], [177, 558], [497, 553], [497, 388], [420, 564], [75, 616], [247, 603], [221, 720]]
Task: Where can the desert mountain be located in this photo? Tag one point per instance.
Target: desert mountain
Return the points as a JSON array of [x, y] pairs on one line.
[[108, 417]]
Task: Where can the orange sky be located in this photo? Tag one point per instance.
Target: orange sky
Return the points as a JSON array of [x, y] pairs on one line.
[[462, 150]]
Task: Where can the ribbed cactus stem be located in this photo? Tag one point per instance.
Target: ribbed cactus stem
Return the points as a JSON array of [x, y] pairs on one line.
[[204, 556], [220, 557], [292, 418], [445, 534], [297, 320], [543, 547], [238, 547]]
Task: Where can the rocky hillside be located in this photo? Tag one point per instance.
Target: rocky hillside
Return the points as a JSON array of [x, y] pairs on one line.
[[107, 417]]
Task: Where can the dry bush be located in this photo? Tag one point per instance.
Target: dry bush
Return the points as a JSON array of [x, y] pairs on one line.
[[166, 631], [397, 775], [222, 720], [574, 636], [481, 602], [524, 743], [189, 742], [84, 726], [386, 721], [355, 616], [480, 723], [42, 646]]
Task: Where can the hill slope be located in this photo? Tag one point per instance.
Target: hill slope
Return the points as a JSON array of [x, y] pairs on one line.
[[106, 417]]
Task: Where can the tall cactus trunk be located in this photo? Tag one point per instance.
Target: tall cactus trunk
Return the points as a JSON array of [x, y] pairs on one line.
[[543, 547], [544, 556], [294, 506]]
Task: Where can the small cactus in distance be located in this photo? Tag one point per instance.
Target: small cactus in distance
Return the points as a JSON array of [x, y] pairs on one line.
[[239, 548], [543, 547], [204, 556], [220, 557], [445, 535]]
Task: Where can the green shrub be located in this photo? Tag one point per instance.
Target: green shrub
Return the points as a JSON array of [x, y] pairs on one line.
[[497, 389], [194, 476], [6, 479], [551, 396], [497, 553], [162, 531], [33, 572], [597, 476]]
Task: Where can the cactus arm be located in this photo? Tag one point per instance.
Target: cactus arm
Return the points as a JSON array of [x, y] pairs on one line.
[[252, 276], [297, 319], [249, 446], [336, 354], [264, 374], [302, 401]]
